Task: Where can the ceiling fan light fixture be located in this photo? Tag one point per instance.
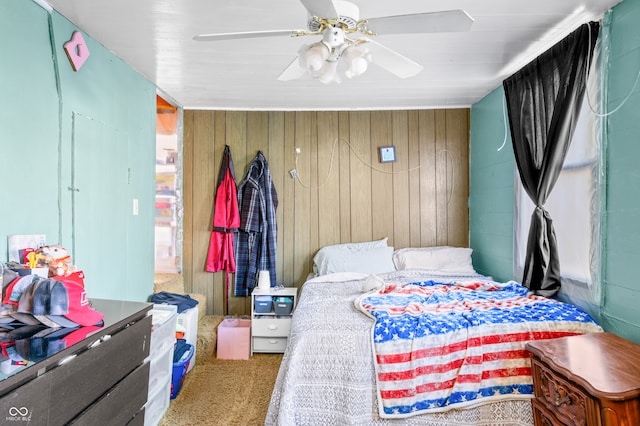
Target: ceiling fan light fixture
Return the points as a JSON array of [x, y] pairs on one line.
[[333, 37], [356, 60], [314, 56], [329, 64], [347, 15], [329, 73]]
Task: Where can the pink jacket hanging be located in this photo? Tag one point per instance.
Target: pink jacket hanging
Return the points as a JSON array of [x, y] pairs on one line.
[[226, 220]]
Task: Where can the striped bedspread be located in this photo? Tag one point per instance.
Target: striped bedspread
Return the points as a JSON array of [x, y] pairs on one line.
[[440, 346]]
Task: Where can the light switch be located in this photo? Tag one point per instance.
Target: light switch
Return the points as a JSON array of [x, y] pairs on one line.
[[135, 207]]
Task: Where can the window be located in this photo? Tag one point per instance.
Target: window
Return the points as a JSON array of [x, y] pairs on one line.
[[574, 206]]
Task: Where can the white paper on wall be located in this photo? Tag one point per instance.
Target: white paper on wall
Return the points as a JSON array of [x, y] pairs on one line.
[[19, 242]]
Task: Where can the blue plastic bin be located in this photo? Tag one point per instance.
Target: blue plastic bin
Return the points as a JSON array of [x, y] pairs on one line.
[[283, 305], [263, 304], [179, 371]]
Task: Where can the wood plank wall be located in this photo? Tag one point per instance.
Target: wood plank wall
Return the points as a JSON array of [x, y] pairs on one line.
[[344, 194]]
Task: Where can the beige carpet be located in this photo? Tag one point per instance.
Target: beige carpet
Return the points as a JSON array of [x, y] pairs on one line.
[[225, 392]]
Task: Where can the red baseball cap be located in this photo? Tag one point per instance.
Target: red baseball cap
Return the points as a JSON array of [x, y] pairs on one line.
[[8, 290], [79, 334], [80, 312], [76, 276]]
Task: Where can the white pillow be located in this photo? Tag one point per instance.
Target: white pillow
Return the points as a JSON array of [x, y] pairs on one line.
[[374, 260], [441, 258], [328, 254]]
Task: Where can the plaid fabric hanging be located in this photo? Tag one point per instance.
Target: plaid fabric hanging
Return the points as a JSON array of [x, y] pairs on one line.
[[256, 237]]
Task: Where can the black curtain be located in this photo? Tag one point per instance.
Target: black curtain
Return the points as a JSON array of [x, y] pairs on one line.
[[543, 102]]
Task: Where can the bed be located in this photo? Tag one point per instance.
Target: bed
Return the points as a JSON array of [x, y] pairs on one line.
[[333, 370]]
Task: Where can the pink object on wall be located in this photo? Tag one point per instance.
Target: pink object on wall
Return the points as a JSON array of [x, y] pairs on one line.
[[77, 50], [234, 339]]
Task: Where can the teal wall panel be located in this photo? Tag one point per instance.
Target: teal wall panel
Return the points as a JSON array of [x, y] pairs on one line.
[[28, 123], [92, 130], [621, 286], [491, 174], [121, 106]]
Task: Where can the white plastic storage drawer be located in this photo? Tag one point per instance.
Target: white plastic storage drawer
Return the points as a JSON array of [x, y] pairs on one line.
[[157, 404], [189, 320], [160, 368], [163, 327]]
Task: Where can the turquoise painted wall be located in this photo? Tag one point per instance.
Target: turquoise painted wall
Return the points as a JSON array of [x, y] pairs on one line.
[[491, 221], [491, 176], [621, 286], [93, 130], [28, 124]]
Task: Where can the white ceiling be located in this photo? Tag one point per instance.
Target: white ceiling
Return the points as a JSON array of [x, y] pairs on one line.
[[155, 37]]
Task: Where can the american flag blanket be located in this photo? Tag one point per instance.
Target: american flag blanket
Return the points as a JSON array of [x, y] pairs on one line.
[[440, 346]]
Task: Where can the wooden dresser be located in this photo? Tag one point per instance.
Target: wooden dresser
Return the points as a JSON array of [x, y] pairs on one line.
[[589, 380]]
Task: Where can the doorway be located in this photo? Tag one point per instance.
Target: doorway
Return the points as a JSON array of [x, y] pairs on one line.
[[168, 201]]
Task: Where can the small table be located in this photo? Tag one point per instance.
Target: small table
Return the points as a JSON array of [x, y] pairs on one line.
[[590, 379], [269, 330]]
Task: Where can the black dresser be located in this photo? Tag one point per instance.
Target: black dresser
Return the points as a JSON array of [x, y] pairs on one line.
[[99, 380]]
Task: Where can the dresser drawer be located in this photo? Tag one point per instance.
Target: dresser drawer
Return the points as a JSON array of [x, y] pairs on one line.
[[277, 327], [138, 419], [542, 416], [63, 392], [568, 402], [269, 344], [82, 380], [29, 402], [119, 405]]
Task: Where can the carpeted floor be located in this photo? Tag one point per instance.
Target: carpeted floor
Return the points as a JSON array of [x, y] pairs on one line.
[[221, 392]]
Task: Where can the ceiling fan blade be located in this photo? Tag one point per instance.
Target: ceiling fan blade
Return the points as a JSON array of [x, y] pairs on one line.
[[320, 8], [392, 61], [293, 71], [433, 22], [248, 34]]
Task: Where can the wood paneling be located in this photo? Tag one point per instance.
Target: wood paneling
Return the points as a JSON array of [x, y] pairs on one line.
[[344, 193], [427, 155]]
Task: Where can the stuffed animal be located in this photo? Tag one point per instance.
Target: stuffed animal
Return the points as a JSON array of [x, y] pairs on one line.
[[56, 258]]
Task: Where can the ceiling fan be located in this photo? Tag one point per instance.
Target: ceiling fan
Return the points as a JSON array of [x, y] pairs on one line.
[[339, 55]]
